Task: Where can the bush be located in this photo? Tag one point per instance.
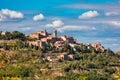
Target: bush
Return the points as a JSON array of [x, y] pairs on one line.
[[91, 65], [96, 78], [66, 69], [109, 70]]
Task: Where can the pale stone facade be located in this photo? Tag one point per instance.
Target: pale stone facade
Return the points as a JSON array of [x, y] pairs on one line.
[[34, 35], [39, 34], [68, 39], [3, 33], [66, 57], [38, 43], [98, 47], [59, 44]]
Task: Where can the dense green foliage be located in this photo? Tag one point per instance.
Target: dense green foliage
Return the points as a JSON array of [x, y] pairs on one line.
[[12, 35], [28, 63]]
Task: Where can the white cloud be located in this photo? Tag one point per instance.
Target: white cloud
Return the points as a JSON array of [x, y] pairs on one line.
[[81, 6], [114, 23], [26, 28], [11, 13], [2, 17], [105, 7], [56, 23], [75, 27], [89, 14], [114, 44], [111, 39], [111, 13], [38, 17]]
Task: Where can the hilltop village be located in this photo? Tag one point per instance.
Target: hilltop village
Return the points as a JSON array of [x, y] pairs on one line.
[[65, 45], [42, 38]]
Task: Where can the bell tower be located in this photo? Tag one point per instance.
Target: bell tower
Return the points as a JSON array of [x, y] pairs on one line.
[[55, 33], [45, 32]]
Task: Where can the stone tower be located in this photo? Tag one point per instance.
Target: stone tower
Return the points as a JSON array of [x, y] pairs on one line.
[[45, 32], [55, 33]]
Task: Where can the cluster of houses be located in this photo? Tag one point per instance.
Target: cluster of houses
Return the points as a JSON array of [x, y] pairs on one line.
[[61, 56], [98, 47], [43, 38]]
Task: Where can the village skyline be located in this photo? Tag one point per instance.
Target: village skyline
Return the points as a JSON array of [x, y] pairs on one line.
[[87, 21]]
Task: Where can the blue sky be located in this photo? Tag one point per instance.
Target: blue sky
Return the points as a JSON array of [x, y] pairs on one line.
[[86, 20]]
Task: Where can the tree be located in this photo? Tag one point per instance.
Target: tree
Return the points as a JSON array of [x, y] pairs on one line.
[[18, 35], [78, 48], [109, 52], [84, 48], [5, 46], [78, 56], [19, 44], [8, 35]]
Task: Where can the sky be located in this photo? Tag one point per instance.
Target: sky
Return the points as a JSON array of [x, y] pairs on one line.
[[88, 21]]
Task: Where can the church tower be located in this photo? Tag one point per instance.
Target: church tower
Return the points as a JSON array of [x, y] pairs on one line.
[[55, 33], [45, 32]]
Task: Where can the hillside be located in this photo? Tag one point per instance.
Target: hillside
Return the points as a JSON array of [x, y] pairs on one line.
[[43, 56]]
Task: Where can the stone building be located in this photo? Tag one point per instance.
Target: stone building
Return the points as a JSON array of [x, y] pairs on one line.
[[38, 43], [39, 34], [34, 35], [67, 57], [59, 44], [68, 39], [98, 47], [3, 33], [89, 46]]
